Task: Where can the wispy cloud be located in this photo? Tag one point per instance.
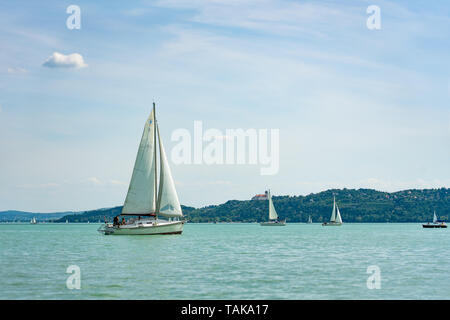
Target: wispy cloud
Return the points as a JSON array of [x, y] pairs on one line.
[[40, 185], [397, 185], [59, 60], [117, 183], [16, 70], [270, 16], [94, 180], [111, 182]]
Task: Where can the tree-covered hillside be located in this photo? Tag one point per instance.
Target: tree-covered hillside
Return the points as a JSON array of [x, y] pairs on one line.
[[362, 205]]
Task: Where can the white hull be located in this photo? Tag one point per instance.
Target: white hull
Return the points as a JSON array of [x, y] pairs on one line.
[[145, 227], [274, 223], [331, 224]]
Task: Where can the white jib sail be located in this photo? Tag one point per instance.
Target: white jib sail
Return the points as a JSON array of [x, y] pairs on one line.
[[338, 215], [434, 217], [333, 214], [168, 203], [272, 212], [141, 196]]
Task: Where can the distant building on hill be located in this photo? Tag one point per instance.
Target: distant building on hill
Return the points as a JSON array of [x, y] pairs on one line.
[[260, 196]]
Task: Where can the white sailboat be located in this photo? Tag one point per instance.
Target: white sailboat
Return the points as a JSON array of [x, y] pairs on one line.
[[309, 220], [335, 219], [145, 198], [33, 220], [273, 216], [436, 223]]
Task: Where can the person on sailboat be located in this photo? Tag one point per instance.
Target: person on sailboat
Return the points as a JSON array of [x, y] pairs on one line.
[[123, 222], [116, 221]]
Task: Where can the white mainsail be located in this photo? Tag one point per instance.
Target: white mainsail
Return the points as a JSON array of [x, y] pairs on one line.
[[141, 196], [333, 214], [168, 203], [434, 217], [272, 212]]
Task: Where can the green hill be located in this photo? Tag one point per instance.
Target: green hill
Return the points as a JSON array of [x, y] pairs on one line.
[[362, 205]]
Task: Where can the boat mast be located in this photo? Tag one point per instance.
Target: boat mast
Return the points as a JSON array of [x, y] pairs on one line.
[[154, 154]]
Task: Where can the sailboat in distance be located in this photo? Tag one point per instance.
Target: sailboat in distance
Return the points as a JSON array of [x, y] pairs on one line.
[[273, 216], [335, 219], [145, 200], [436, 223], [309, 220]]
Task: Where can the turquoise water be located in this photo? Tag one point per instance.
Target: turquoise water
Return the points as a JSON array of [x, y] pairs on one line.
[[226, 261]]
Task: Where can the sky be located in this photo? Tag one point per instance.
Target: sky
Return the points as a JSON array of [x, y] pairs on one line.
[[355, 107]]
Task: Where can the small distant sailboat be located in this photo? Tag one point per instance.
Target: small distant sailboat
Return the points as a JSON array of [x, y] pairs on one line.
[[309, 220], [33, 221], [273, 216], [145, 198], [335, 219], [67, 221], [436, 223]]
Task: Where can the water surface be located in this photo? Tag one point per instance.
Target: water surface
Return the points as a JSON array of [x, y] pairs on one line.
[[226, 261]]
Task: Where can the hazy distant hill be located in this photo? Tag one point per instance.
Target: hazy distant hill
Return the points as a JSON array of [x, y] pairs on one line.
[[101, 214], [362, 205], [22, 216]]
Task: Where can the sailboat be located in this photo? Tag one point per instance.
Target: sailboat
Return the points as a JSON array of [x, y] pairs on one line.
[[436, 223], [335, 219], [273, 216], [145, 200], [33, 220], [309, 220], [67, 221]]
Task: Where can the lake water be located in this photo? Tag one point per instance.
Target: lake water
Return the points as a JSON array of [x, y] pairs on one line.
[[226, 261]]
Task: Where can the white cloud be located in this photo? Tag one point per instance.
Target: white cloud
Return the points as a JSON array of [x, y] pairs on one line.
[[94, 180], [16, 70], [397, 185], [59, 60], [117, 183], [39, 186], [111, 182]]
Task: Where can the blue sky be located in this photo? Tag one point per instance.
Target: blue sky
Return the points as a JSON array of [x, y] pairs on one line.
[[355, 107]]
